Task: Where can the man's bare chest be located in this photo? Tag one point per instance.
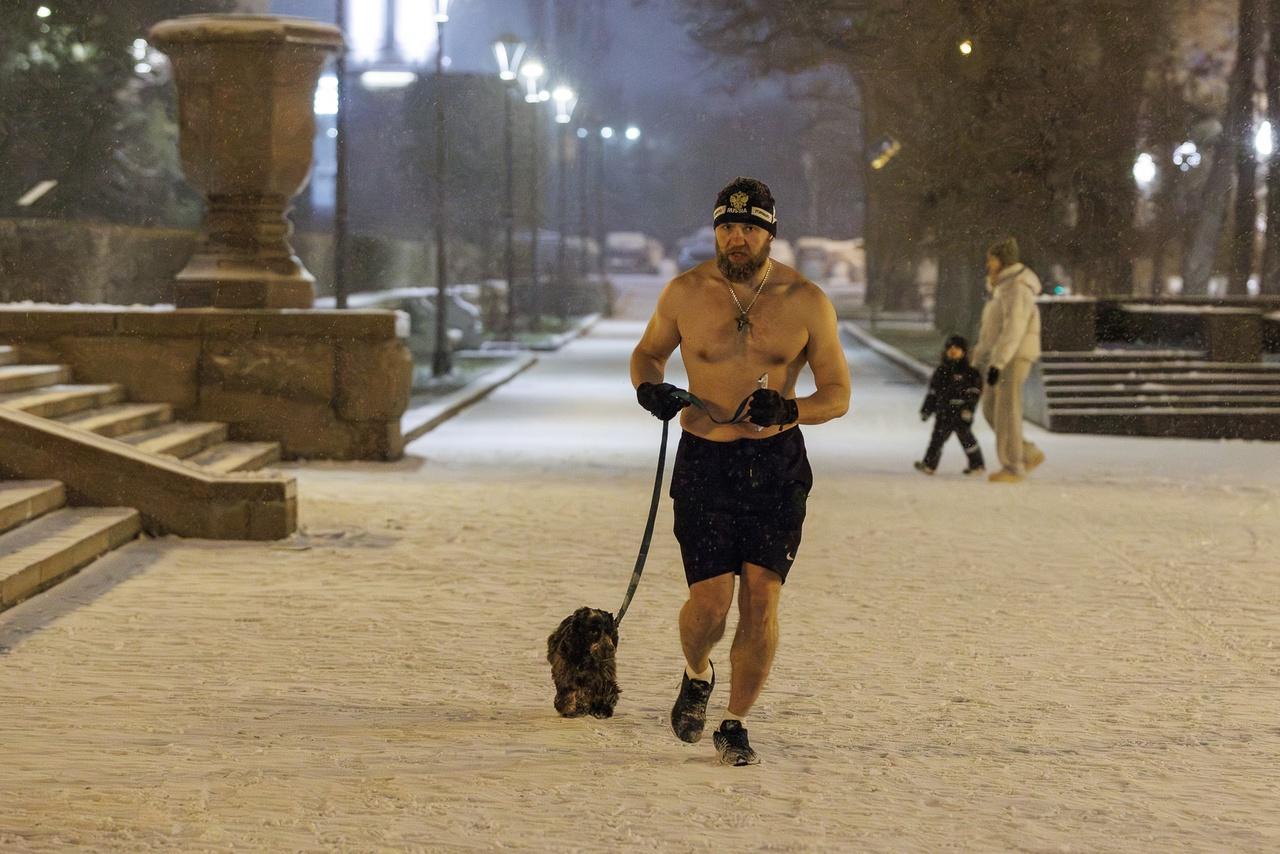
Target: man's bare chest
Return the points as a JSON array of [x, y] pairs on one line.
[[774, 332]]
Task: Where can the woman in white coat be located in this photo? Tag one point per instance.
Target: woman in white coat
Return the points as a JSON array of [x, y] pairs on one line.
[[1008, 345]]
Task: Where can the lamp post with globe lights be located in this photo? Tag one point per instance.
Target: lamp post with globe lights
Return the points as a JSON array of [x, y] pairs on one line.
[[509, 52], [565, 101], [532, 72]]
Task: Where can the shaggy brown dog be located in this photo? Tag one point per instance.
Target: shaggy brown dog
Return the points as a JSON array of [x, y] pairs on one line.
[[581, 653]]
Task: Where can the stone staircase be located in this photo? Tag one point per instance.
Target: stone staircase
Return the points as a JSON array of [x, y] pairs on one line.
[[48, 391], [41, 539], [1155, 393]]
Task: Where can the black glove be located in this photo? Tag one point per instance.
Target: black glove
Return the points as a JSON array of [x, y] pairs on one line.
[[768, 407], [659, 400], [993, 375], [924, 416]]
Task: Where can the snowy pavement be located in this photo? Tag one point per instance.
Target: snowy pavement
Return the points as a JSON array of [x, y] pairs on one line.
[[1086, 661]]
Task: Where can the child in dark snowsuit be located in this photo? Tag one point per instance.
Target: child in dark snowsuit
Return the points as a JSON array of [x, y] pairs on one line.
[[953, 396]]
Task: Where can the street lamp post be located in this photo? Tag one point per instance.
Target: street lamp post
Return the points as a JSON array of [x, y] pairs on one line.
[[509, 51], [340, 169], [441, 361], [565, 101], [532, 72]]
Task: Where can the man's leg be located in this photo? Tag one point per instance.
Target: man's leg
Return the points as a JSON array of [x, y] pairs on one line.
[[702, 622], [756, 639], [702, 619]]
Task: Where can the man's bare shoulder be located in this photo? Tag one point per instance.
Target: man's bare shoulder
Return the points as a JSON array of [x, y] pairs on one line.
[[798, 287], [685, 284]]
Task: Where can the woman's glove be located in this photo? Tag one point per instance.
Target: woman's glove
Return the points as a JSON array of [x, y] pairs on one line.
[[767, 407], [659, 400]]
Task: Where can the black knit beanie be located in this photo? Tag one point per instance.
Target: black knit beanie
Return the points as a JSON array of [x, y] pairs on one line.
[[746, 200]]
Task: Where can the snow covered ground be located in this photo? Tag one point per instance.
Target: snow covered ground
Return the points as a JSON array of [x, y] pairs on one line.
[[1086, 661]]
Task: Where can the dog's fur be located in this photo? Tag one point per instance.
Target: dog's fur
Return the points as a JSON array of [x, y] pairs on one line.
[[581, 652]]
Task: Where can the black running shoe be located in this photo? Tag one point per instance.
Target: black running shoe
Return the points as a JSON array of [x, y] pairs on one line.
[[732, 745], [689, 714]]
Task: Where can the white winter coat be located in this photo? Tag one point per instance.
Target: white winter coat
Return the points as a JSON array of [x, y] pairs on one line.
[[1010, 320]]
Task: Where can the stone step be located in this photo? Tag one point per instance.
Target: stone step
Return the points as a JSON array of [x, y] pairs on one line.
[[1120, 355], [1178, 401], [56, 400], [8, 355], [227, 457], [46, 550], [179, 439], [24, 500], [120, 418], [1261, 423], [1157, 389], [1170, 366], [1237, 378], [21, 377]]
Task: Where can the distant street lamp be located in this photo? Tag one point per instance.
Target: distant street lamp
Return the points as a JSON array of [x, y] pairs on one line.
[[1263, 142], [1144, 171], [966, 47], [565, 100], [633, 133], [443, 357], [1186, 156], [532, 72], [509, 51]]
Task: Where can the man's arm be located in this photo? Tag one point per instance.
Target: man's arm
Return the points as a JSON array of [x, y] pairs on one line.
[[830, 369], [660, 339]]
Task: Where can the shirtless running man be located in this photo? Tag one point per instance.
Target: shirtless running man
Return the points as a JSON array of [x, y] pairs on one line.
[[745, 326]]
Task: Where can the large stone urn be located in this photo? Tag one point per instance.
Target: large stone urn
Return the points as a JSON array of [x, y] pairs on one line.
[[246, 86]]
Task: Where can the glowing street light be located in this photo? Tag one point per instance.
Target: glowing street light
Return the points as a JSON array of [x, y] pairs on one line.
[[509, 51], [1144, 170], [566, 99], [43, 12], [966, 47], [1263, 142], [532, 72], [606, 132], [633, 133], [1186, 156]]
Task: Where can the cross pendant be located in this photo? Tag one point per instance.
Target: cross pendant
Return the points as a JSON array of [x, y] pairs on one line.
[[744, 325]]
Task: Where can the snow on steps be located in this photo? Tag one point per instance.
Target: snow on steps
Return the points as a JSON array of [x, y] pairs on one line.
[[44, 541]]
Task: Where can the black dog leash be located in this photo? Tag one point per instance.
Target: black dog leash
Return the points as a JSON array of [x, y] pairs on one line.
[[657, 492]]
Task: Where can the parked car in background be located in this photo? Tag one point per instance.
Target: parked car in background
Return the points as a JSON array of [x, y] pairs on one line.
[[782, 252], [632, 252], [696, 248]]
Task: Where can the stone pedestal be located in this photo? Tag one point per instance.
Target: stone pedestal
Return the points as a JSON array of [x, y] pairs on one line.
[[246, 86], [1068, 323]]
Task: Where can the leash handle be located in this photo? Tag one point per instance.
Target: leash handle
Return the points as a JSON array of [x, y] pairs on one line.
[[648, 528], [738, 416]]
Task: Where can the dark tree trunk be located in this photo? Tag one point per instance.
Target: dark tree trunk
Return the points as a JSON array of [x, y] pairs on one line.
[[1246, 206], [1271, 254], [1198, 264]]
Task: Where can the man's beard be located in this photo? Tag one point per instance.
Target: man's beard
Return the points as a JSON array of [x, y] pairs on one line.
[[742, 271]]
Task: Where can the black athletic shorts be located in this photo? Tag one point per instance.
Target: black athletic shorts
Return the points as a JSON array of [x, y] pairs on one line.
[[739, 502]]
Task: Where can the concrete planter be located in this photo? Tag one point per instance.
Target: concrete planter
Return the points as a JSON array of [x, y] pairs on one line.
[[245, 110]]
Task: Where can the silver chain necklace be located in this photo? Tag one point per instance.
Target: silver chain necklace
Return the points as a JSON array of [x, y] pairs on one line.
[[744, 323]]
